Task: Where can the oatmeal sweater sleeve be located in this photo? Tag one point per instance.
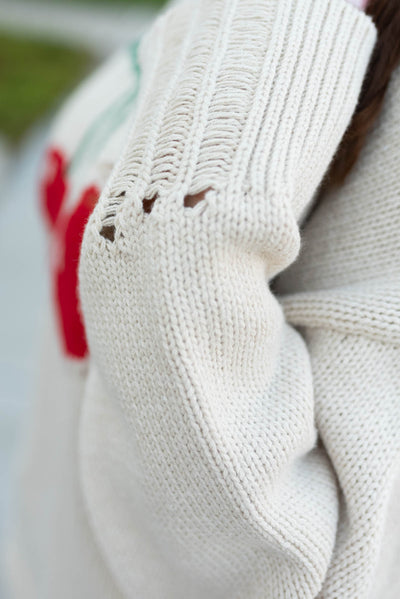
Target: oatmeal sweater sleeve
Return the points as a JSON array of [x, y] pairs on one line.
[[199, 463], [344, 293]]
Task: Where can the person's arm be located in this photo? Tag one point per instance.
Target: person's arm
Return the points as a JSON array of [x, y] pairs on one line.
[[216, 487]]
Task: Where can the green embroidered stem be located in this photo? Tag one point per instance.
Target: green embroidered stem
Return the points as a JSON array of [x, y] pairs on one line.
[[108, 121]]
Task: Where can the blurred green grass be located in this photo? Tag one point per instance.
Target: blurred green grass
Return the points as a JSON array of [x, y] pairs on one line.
[[34, 76], [144, 3], [109, 4]]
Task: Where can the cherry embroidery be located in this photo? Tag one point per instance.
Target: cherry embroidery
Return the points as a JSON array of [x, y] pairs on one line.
[[53, 188], [69, 231], [67, 225]]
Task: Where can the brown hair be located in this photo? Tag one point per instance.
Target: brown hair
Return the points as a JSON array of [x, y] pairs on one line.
[[385, 58]]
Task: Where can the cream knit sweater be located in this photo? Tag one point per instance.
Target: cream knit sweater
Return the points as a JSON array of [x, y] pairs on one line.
[[221, 441]]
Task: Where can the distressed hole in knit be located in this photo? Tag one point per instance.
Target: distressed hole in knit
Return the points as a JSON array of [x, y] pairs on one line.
[[108, 232], [191, 201], [108, 228], [149, 203]]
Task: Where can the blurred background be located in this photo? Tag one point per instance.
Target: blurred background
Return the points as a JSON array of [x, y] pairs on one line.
[[46, 48]]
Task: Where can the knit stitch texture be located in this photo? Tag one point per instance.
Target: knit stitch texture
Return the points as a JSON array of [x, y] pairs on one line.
[[235, 443]]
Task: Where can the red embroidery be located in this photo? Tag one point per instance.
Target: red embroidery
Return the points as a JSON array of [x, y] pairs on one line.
[[54, 185], [67, 232]]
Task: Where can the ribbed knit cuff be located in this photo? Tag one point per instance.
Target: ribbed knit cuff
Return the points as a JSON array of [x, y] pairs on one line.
[[244, 94]]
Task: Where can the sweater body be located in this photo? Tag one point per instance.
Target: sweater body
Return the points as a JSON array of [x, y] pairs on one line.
[[50, 550], [195, 435]]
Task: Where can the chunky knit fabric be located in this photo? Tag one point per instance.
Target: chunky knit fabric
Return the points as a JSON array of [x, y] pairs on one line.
[[219, 440]]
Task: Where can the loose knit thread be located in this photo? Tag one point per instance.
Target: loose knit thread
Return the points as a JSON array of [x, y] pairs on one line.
[[213, 125]]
